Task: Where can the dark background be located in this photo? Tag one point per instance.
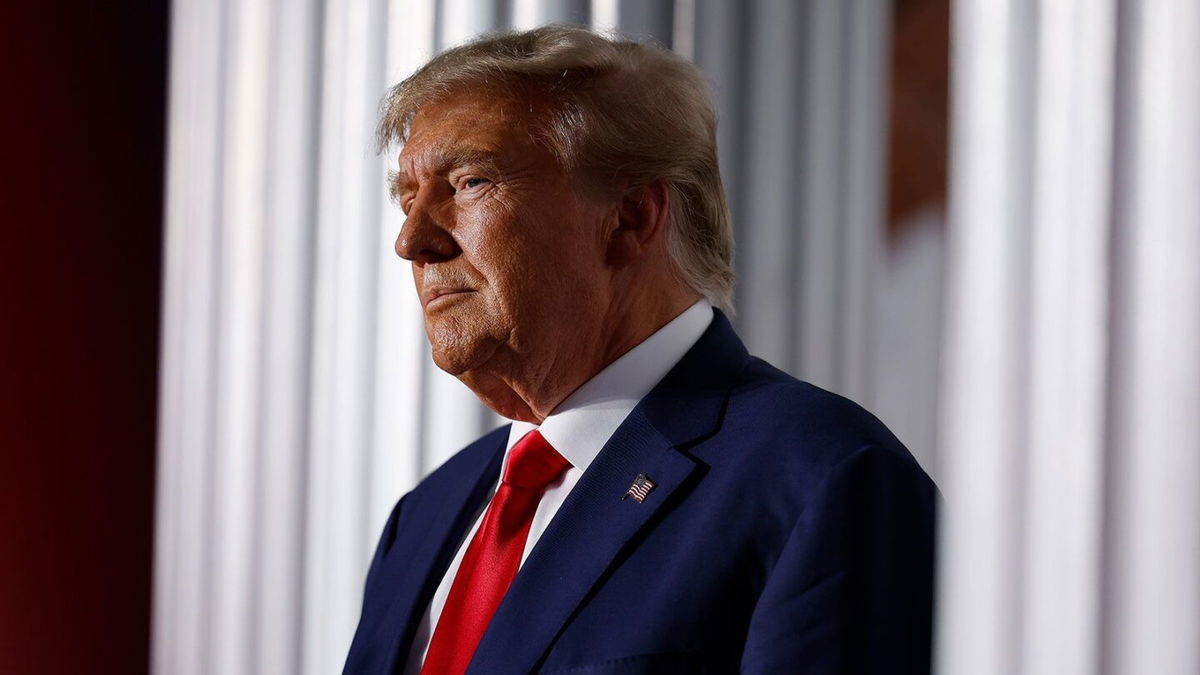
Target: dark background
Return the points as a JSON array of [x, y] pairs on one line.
[[81, 146]]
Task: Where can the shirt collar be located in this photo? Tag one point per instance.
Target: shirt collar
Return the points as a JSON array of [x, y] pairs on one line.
[[581, 425]]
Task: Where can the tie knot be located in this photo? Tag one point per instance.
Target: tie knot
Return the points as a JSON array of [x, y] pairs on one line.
[[533, 463]]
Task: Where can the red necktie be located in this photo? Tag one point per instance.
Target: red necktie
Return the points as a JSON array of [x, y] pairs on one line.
[[493, 556]]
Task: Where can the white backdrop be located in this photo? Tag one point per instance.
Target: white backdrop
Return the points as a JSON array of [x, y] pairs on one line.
[[298, 399], [1071, 402]]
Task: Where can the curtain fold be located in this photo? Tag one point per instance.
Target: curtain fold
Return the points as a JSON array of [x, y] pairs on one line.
[[299, 400], [1071, 541]]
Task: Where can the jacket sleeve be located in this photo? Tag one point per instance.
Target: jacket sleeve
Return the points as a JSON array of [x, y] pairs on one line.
[[852, 590], [362, 653], [386, 539]]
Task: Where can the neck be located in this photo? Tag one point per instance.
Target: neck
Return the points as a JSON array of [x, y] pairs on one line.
[[530, 389]]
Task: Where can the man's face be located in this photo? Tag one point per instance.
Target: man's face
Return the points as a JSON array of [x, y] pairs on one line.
[[507, 251]]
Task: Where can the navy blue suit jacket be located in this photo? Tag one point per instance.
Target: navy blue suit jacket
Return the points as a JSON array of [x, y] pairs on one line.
[[788, 532]]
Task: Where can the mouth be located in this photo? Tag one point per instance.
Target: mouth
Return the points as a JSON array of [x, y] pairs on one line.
[[438, 295]]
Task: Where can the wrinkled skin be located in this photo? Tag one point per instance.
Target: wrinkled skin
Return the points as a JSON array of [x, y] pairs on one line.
[[531, 278]]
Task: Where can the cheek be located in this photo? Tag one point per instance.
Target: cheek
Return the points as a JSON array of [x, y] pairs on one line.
[[490, 230], [495, 241], [533, 260]]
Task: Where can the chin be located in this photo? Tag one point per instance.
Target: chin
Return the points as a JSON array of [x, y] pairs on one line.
[[454, 359], [458, 352], [462, 343]]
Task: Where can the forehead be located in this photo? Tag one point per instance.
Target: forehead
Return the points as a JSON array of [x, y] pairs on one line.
[[468, 125]]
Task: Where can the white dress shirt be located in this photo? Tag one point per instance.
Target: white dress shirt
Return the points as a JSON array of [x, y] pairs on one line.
[[578, 428]]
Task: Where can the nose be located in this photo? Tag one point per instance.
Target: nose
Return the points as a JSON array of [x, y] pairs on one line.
[[424, 238]]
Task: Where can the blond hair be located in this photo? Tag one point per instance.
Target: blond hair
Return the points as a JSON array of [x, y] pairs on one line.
[[618, 109]]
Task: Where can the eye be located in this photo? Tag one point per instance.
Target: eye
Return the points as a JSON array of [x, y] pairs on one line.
[[473, 182]]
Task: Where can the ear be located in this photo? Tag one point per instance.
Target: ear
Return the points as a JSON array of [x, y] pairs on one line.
[[641, 223]]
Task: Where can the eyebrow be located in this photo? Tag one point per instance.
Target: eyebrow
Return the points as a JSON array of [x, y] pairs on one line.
[[443, 161]]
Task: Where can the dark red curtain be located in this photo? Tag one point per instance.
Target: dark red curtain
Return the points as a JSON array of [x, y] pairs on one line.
[[81, 145]]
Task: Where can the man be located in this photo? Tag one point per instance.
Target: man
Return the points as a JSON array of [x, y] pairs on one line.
[[662, 501]]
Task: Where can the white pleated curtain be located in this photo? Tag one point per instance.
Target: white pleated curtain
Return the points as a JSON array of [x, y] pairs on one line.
[[1071, 399], [298, 398]]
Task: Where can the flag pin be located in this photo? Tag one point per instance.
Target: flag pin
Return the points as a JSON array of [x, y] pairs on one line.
[[642, 485]]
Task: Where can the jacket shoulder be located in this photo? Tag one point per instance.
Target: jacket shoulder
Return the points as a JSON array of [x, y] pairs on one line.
[[789, 427], [465, 462], [429, 495]]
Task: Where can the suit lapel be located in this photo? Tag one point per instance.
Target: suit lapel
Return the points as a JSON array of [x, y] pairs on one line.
[[584, 537], [595, 524], [417, 574]]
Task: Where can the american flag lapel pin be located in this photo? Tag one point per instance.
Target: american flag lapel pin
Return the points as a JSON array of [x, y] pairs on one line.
[[642, 485]]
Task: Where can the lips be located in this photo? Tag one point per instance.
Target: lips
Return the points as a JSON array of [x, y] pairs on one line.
[[435, 292]]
